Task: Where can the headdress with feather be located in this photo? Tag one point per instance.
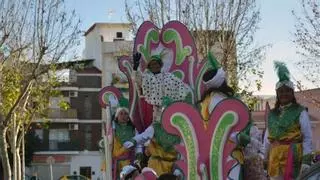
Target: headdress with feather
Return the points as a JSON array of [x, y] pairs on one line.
[[283, 75], [123, 105], [163, 55], [219, 77]]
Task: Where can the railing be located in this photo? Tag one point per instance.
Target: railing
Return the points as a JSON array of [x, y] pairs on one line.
[[54, 145], [62, 114], [110, 47]]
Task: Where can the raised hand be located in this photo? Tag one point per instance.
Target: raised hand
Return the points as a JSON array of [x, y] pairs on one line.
[[128, 144], [304, 168], [136, 60]]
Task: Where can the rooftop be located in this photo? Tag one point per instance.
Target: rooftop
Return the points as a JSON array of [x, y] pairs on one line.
[[106, 24]]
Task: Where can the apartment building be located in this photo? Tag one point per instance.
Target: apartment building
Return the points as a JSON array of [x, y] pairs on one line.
[[70, 143]]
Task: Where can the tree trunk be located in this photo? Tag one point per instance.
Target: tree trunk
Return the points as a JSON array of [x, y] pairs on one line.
[[23, 165], [18, 159], [4, 153], [14, 149]]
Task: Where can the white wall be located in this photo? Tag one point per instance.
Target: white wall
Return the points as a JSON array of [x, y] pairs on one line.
[[110, 65], [109, 31], [99, 51], [93, 47], [92, 159], [42, 171]]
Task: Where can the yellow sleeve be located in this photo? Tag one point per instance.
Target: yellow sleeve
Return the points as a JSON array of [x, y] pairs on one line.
[[118, 149], [205, 108]]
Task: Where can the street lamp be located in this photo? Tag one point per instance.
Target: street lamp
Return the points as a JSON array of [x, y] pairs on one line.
[[50, 161]]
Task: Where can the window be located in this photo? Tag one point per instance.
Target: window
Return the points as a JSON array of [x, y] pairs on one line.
[[59, 135], [73, 94], [39, 133], [87, 137], [85, 171], [87, 104], [119, 34]]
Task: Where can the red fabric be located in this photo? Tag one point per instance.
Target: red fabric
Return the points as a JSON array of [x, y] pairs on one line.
[[147, 112], [289, 166]]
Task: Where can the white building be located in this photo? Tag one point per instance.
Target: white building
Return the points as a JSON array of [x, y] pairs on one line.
[[70, 142], [105, 43]]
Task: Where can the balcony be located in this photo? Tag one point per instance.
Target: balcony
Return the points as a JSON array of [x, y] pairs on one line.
[[117, 46], [64, 146], [57, 113], [73, 145]]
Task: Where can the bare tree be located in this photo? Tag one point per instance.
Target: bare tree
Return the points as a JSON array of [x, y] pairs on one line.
[[225, 26], [34, 36], [307, 39]]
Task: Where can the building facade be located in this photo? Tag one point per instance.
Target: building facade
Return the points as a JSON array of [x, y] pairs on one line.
[[105, 43], [69, 146], [70, 143]]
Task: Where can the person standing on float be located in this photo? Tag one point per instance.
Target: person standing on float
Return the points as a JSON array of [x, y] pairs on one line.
[[288, 137], [158, 89]]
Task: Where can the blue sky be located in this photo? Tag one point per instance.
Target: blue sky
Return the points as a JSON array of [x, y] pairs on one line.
[[276, 28]]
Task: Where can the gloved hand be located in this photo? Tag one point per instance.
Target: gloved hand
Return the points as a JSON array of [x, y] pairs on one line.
[[146, 137], [261, 155], [255, 142], [303, 168], [178, 173], [136, 60], [139, 158], [128, 144]]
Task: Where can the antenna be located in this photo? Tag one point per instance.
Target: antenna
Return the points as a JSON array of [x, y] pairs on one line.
[[110, 13]]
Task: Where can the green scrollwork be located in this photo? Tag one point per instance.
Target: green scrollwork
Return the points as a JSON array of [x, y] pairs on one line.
[[219, 138], [171, 35], [199, 80], [187, 133], [179, 74], [151, 36], [132, 109], [108, 96]]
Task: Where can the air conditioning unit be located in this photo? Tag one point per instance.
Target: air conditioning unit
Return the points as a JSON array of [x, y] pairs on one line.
[[73, 94], [73, 127]]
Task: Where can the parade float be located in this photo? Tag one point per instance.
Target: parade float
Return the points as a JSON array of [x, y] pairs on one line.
[[204, 151]]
